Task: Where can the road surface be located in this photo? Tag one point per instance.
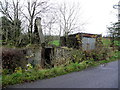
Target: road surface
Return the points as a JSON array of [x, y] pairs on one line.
[[103, 76]]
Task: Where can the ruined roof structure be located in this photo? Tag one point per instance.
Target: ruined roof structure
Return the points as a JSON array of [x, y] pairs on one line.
[[84, 41]]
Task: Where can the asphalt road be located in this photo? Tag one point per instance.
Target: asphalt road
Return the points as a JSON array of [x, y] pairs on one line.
[[103, 76]]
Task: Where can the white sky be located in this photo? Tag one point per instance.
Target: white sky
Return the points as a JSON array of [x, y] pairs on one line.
[[96, 13]]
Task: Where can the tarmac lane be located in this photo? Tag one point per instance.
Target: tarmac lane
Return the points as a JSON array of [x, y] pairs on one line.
[[102, 76]]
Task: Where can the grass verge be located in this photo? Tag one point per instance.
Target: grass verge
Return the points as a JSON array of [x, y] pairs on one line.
[[33, 75], [55, 42]]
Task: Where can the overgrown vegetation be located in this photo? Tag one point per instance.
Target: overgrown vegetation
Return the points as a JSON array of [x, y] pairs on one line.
[[15, 34], [114, 31], [34, 74], [79, 61], [106, 42], [13, 58]]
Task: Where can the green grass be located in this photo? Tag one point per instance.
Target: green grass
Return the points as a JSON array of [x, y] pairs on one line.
[[55, 42], [0, 78], [106, 41], [117, 43]]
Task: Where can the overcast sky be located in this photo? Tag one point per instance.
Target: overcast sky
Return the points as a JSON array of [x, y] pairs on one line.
[[96, 13]]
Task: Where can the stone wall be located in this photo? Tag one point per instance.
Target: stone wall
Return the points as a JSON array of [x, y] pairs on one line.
[[57, 54], [54, 56], [34, 56]]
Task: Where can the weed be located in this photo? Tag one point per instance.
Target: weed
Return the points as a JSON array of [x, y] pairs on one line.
[[34, 73]]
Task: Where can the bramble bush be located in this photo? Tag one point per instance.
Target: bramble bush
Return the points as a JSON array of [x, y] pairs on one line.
[[13, 58]]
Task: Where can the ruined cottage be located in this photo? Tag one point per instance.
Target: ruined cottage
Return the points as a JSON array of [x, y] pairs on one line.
[[82, 41]]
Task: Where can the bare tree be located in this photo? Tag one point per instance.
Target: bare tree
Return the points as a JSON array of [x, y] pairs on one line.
[[4, 9], [11, 10], [34, 8], [50, 22], [68, 18]]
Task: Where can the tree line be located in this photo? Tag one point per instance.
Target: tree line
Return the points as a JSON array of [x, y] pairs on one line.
[[18, 20]]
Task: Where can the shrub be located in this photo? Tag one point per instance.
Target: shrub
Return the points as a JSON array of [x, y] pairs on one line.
[[58, 70], [69, 68], [97, 54], [12, 58], [5, 71], [18, 70], [77, 56], [37, 67], [41, 74]]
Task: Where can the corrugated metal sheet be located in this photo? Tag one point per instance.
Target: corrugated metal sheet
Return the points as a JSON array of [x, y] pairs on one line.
[[88, 43]]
